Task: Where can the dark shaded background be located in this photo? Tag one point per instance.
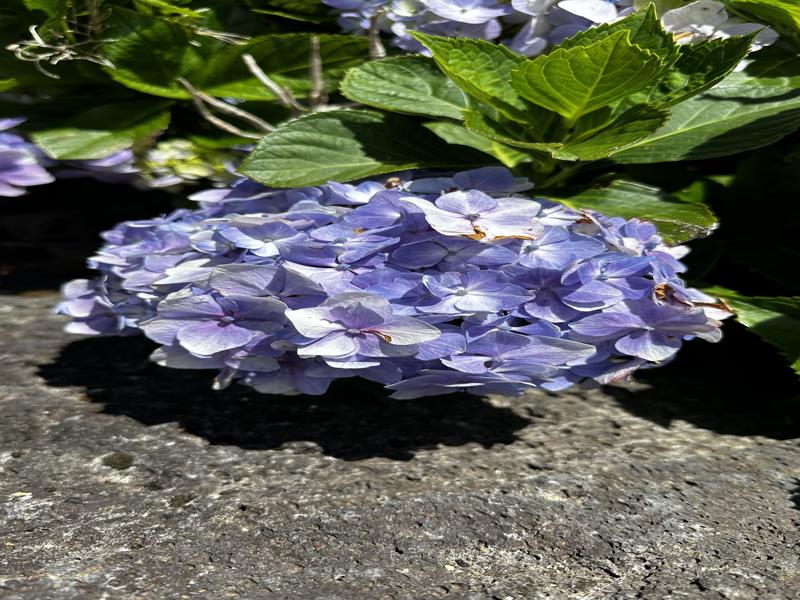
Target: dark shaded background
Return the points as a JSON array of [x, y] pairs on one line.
[[46, 235]]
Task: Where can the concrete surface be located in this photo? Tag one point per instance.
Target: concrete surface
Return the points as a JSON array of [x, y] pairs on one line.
[[119, 479]]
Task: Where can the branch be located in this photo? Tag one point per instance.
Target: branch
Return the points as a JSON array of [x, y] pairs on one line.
[[226, 108], [376, 49], [284, 96], [212, 118], [317, 96]]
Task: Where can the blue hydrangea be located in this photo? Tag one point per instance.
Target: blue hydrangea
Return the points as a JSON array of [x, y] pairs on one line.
[[20, 162], [118, 167], [433, 285], [528, 26]]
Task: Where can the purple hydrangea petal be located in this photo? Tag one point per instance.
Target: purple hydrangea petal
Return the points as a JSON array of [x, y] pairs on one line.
[[313, 322], [474, 12], [247, 279], [334, 345], [648, 345], [594, 295], [607, 324], [211, 337], [406, 331]]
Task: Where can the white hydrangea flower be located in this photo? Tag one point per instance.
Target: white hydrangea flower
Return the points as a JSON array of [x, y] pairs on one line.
[[596, 11], [708, 19], [535, 8]]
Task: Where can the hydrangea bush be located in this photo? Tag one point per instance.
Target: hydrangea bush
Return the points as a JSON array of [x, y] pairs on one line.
[[426, 285], [435, 194]]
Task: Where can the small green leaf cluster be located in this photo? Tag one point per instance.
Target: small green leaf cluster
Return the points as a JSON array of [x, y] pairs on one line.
[[617, 90], [624, 92]]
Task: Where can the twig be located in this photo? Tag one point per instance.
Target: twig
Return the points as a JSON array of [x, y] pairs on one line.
[[94, 17], [211, 117], [317, 96], [284, 96], [229, 109], [376, 49], [226, 108], [219, 123], [229, 38], [37, 50]]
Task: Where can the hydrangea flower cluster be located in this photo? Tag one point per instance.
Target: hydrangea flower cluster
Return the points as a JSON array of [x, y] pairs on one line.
[[427, 285], [528, 26], [20, 162]]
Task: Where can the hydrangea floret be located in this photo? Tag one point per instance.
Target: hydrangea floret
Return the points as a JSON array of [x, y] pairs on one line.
[[426, 284]]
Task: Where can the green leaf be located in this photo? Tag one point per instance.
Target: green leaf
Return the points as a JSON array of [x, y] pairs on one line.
[[677, 220], [103, 130], [310, 11], [453, 133], [52, 8], [505, 132], [405, 84], [776, 319], [218, 141], [150, 54], [610, 135], [781, 13], [349, 144], [171, 9], [631, 126], [772, 72], [481, 69], [662, 6], [707, 126], [578, 80], [700, 67], [645, 31]]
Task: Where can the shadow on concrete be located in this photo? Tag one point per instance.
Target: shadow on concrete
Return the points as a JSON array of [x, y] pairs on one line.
[[740, 386], [355, 420], [794, 494]]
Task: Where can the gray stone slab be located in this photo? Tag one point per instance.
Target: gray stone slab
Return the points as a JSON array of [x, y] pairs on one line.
[[119, 479]]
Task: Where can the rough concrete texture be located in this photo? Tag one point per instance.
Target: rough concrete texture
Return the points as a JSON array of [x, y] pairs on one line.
[[123, 480]]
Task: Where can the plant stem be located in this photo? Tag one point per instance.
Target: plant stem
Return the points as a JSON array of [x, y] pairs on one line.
[[316, 97], [199, 98], [284, 96], [376, 49]]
